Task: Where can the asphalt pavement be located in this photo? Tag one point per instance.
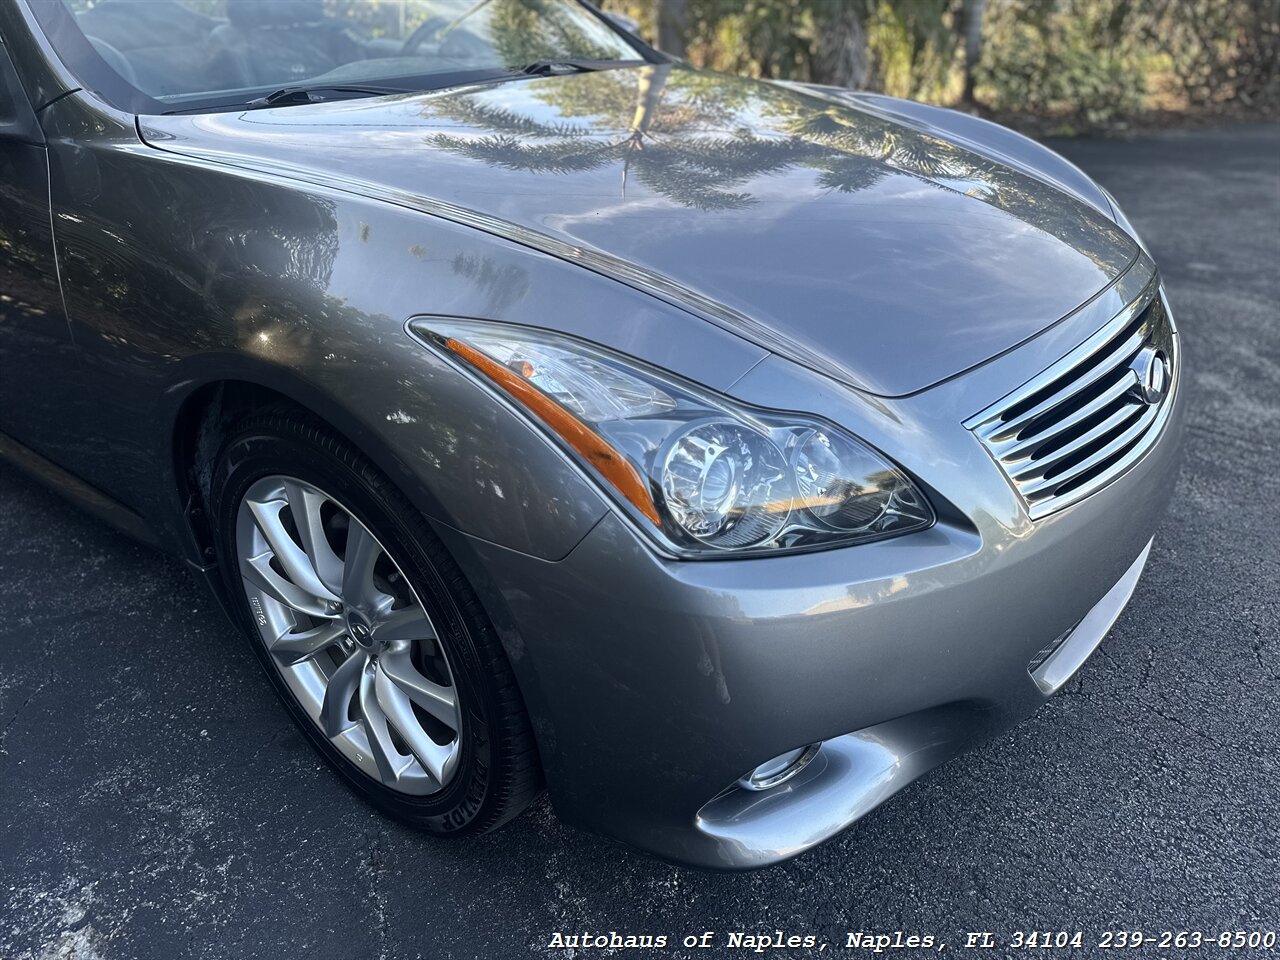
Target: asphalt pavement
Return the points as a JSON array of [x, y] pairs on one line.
[[156, 801]]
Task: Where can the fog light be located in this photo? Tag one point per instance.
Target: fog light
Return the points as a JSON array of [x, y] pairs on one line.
[[780, 769]]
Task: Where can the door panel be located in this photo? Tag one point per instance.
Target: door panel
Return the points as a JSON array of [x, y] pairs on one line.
[[36, 352]]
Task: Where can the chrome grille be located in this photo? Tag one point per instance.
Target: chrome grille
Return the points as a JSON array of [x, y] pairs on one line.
[[1083, 422]]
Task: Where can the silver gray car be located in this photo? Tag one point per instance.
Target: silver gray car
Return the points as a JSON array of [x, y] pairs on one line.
[[721, 454]]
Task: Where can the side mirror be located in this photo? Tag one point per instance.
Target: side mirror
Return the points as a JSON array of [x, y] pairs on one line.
[[622, 22]]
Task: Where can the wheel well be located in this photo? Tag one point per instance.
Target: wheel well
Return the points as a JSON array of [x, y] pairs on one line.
[[204, 420]]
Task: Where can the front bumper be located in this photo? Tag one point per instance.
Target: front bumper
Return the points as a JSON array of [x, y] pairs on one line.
[[853, 774], [655, 685]]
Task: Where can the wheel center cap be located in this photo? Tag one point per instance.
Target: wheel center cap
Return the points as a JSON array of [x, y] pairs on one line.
[[359, 629]]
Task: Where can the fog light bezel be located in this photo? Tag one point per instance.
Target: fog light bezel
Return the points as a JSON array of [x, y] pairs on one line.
[[801, 758]]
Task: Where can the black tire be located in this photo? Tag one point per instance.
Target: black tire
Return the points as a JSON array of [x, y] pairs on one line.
[[498, 772]]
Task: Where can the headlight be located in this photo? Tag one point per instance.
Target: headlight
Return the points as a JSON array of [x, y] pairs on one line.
[[701, 474], [1122, 221]]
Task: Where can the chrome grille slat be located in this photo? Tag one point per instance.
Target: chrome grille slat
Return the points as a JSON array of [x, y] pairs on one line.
[[1037, 468], [1020, 448], [1082, 423], [1125, 351], [1117, 469], [1031, 488]]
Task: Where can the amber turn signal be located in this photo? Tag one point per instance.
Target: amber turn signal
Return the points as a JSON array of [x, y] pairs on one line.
[[593, 448]]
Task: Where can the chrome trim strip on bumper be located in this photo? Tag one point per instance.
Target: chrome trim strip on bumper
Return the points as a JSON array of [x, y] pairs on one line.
[[1063, 663]]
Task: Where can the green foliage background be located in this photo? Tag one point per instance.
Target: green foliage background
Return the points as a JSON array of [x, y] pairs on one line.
[[1079, 63]]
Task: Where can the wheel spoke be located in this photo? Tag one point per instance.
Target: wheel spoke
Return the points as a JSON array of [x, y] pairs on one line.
[[305, 504], [315, 599], [357, 569], [435, 758], [294, 647], [384, 752], [437, 700], [407, 623], [258, 571], [338, 693], [297, 565]]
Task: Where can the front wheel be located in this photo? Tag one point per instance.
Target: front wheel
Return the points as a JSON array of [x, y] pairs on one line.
[[368, 630]]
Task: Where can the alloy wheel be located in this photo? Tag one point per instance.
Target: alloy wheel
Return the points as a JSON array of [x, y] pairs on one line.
[[349, 635]]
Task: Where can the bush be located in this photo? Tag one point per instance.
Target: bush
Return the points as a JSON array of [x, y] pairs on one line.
[[1220, 50], [1060, 61]]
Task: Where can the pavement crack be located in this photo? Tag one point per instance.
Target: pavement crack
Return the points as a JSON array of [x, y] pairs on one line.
[[1178, 721], [1257, 649], [1262, 664], [38, 689]]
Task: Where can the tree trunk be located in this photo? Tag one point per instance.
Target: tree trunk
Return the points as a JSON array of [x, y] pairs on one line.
[[972, 23], [840, 55], [673, 25]]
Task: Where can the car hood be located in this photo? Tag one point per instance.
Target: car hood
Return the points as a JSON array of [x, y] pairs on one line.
[[855, 241]]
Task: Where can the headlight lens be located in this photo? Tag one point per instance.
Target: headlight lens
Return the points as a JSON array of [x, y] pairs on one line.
[[702, 474], [838, 481], [724, 484]]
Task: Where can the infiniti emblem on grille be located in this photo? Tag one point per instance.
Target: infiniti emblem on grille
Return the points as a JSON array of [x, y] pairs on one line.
[[1151, 375]]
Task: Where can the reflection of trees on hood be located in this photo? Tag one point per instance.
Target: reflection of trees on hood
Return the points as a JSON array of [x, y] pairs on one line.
[[698, 139], [857, 139], [703, 172], [475, 110], [677, 151], [684, 135]]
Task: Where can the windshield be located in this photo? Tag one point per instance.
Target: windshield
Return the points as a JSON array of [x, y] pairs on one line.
[[162, 55]]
